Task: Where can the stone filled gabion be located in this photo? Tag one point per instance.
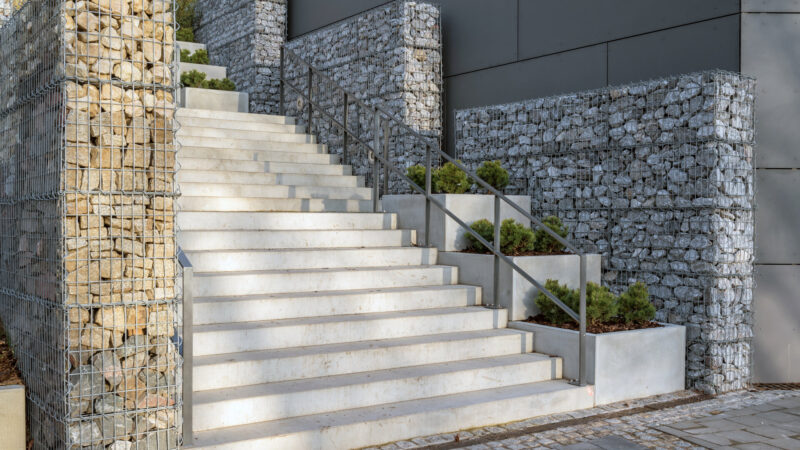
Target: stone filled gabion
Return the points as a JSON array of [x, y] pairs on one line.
[[88, 270], [658, 176], [246, 37], [389, 56]]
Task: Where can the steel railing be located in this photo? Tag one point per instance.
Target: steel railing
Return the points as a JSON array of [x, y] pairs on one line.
[[384, 121]]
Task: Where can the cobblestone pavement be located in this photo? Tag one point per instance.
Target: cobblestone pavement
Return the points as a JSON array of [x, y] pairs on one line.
[[644, 423]]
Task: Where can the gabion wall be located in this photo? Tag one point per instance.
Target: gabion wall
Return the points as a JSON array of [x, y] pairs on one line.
[[88, 267], [389, 56], [246, 37], [658, 177]]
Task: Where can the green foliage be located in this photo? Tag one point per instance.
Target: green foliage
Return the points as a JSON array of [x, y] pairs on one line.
[[485, 229], [515, 238], [198, 57], [601, 305], [195, 79], [417, 175], [494, 174], [546, 243], [451, 180], [184, 15], [547, 308], [635, 306]]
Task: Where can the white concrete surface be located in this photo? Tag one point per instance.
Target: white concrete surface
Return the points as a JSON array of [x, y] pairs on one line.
[[230, 101], [12, 418]]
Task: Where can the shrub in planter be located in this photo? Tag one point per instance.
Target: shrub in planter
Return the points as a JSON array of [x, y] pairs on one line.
[[184, 15], [220, 85], [451, 180], [515, 238], [494, 174], [417, 175], [485, 229], [635, 306], [195, 79], [546, 243], [549, 310], [198, 57]]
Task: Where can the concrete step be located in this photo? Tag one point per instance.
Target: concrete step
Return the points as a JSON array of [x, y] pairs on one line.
[[314, 258], [212, 72], [209, 99], [211, 310], [244, 135], [267, 366], [257, 155], [198, 113], [247, 144], [252, 204], [285, 281], [260, 403], [356, 428], [241, 221], [261, 166], [274, 191], [201, 122], [288, 239], [191, 46], [284, 179], [252, 336]]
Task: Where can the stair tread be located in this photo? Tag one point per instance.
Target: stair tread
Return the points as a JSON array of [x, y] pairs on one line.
[[374, 414], [335, 269], [310, 250], [257, 297], [357, 378], [185, 158], [213, 114]]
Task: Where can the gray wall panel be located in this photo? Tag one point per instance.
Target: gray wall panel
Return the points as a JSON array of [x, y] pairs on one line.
[[552, 26], [564, 72], [770, 52], [776, 344], [770, 6], [308, 15], [777, 216], [478, 34], [707, 45]]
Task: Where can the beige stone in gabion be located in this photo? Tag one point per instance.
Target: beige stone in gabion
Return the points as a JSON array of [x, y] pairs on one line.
[[127, 71], [88, 22], [93, 336], [112, 269], [77, 129], [77, 259], [111, 317], [160, 323], [78, 315], [128, 246], [89, 273]]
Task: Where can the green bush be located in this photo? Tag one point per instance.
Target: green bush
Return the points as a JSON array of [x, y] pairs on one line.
[[601, 305], [184, 15], [549, 310], [451, 180], [195, 79], [494, 174], [221, 85], [198, 57], [515, 238], [546, 243], [485, 229], [417, 175], [635, 306]]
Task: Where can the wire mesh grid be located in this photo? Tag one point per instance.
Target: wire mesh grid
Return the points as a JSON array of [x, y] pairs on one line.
[[89, 268], [656, 176]]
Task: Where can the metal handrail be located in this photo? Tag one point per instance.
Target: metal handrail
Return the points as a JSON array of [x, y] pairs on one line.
[[427, 192], [187, 345]]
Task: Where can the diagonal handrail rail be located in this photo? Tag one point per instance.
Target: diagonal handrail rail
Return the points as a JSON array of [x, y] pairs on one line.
[[430, 148]]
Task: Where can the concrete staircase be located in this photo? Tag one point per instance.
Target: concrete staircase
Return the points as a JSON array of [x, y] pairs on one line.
[[318, 323]]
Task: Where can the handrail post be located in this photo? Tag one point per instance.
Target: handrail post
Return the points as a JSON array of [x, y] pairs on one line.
[[496, 283], [376, 165], [428, 193], [188, 348], [386, 157], [282, 88], [310, 98], [345, 156], [582, 338]]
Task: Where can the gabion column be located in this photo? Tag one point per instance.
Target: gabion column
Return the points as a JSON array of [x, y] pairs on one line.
[[87, 163]]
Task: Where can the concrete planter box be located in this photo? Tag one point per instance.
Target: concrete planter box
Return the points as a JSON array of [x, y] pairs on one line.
[[230, 101], [517, 295], [622, 366], [446, 234], [12, 417]]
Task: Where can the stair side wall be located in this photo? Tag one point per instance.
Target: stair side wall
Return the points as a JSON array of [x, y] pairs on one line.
[[657, 176]]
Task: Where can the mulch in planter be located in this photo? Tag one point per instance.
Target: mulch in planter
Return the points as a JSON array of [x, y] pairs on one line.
[[475, 252], [596, 328], [9, 375]]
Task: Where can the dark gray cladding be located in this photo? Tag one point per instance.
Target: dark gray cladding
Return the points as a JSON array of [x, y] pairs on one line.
[[658, 177]]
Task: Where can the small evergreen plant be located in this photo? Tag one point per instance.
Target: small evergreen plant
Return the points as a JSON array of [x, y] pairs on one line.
[[515, 238], [494, 174], [546, 243], [485, 229], [635, 306], [451, 180]]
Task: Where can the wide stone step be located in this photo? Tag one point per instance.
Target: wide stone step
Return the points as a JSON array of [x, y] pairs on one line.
[[274, 191], [202, 122], [267, 366], [274, 401], [251, 336], [211, 310], [299, 144], [286, 179], [212, 72], [257, 155], [291, 239], [233, 116], [316, 258], [265, 166], [244, 135], [376, 425], [252, 204], [284, 281], [240, 221], [214, 100]]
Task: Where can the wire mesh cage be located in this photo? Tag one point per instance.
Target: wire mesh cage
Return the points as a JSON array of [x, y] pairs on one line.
[[89, 267], [656, 176]]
